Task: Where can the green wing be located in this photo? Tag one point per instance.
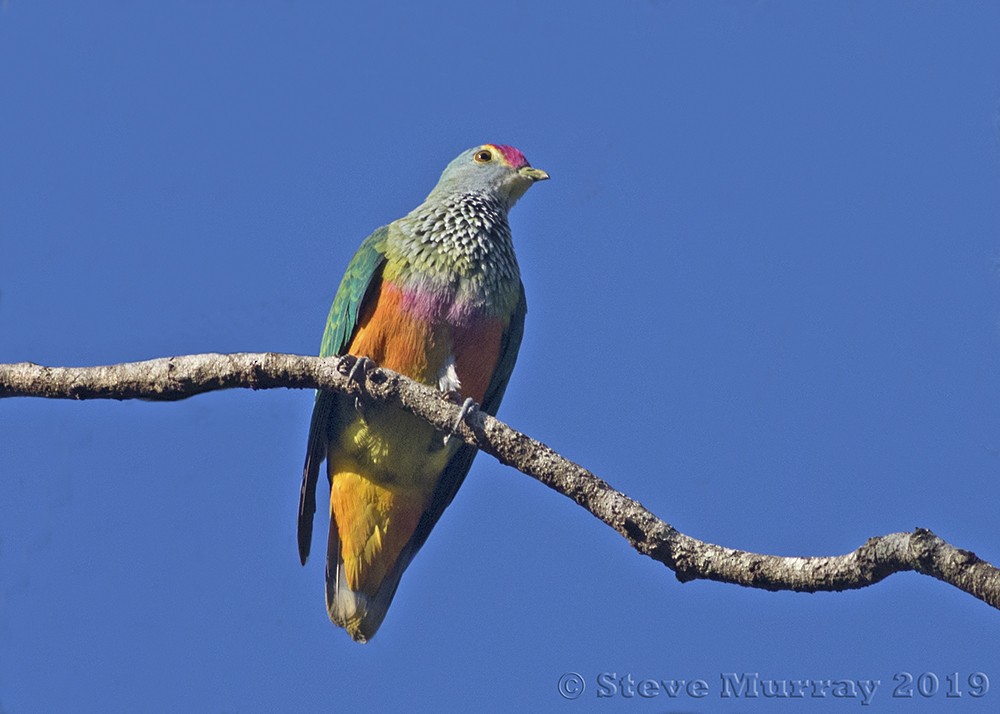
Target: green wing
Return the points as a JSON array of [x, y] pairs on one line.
[[363, 272], [459, 465]]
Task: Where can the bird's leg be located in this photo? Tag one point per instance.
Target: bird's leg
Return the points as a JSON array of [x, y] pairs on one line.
[[468, 406], [357, 375]]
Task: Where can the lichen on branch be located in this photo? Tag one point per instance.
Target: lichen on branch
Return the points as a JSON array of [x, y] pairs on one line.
[[173, 378]]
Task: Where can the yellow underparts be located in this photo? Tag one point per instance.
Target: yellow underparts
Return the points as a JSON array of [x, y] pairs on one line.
[[383, 472]]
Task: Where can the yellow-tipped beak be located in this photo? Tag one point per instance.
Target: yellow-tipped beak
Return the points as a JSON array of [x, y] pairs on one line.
[[532, 173]]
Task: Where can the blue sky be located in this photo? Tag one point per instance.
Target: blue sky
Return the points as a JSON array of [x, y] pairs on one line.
[[763, 300]]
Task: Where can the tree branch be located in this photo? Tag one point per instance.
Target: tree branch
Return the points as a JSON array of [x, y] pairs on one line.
[[174, 378]]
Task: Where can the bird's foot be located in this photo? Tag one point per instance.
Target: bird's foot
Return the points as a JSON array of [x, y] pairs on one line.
[[357, 375], [468, 406]]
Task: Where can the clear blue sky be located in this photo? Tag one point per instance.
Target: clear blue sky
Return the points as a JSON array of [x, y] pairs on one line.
[[763, 299]]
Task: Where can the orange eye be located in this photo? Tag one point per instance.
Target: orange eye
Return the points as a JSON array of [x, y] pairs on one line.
[[484, 157]]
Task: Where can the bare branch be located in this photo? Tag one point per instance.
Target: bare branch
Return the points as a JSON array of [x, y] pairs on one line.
[[175, 378]]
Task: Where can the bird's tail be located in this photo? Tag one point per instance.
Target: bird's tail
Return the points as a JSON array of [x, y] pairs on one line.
[[371, 542], [356, 611]]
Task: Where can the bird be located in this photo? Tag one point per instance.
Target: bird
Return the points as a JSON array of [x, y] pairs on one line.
[[437, 296]]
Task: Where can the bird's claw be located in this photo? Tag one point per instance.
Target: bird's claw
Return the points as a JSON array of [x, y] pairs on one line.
[[357, 375], [468, 406]]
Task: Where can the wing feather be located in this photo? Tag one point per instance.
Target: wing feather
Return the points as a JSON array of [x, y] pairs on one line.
[[362, 275]]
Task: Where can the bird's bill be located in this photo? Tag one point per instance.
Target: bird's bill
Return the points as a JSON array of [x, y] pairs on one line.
[[532, 173]]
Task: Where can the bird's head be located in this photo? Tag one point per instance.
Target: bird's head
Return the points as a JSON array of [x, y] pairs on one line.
[[494, 169]]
